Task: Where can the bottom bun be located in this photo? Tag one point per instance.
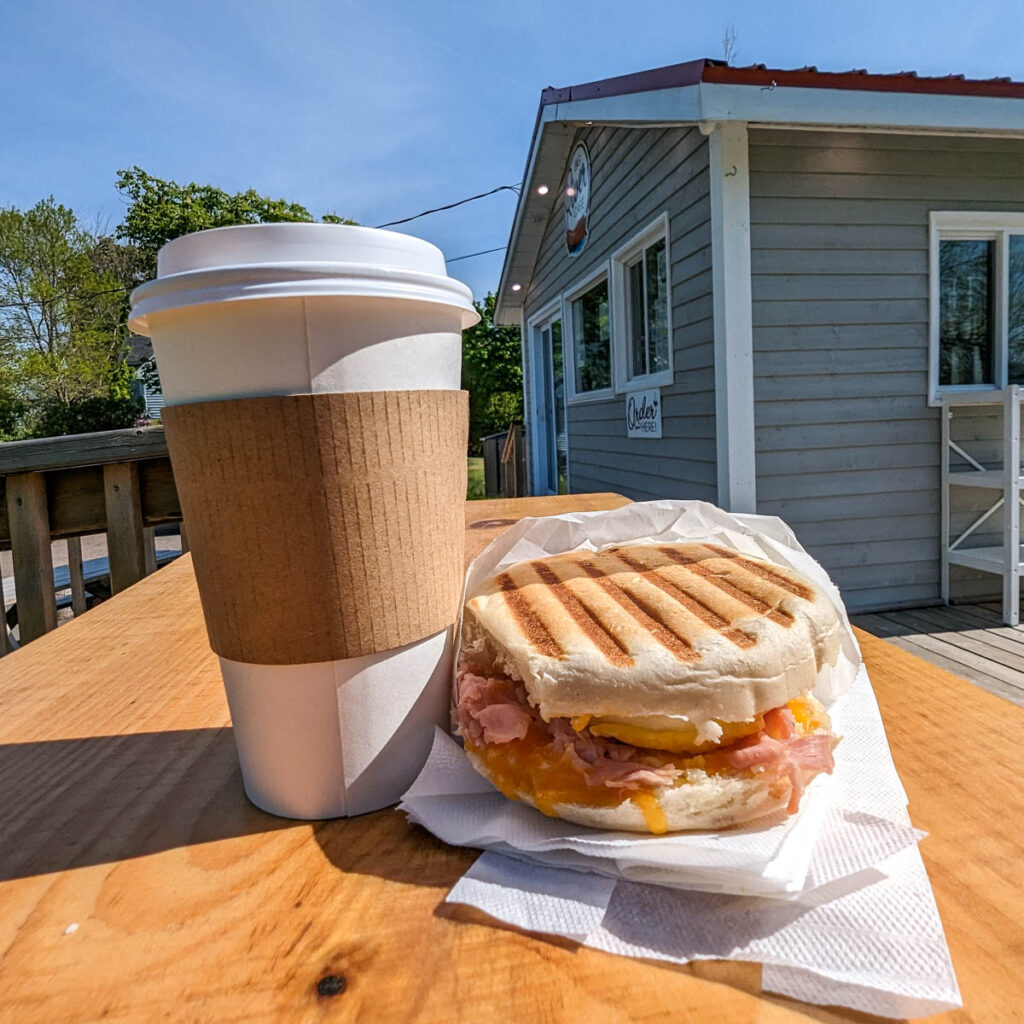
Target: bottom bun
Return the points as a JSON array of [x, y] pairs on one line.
[[700, 801]]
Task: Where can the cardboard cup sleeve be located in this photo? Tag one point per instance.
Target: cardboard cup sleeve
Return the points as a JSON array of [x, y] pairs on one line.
[[324, 526]]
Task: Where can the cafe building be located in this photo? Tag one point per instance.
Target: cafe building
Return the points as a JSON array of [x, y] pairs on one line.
[[770, 289]]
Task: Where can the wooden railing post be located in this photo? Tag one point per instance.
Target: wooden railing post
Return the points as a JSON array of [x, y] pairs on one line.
[[29, 521], [5, 641], [78, 604], [126, 544], [149, 533]]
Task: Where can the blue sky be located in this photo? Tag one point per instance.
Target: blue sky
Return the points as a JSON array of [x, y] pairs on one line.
[[377, 109]]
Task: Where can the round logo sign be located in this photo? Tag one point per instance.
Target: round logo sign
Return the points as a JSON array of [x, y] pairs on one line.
[[577, 200]]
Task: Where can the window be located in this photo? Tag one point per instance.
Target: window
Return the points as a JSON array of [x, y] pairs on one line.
[[591, 341], [643, 328], [977, 307]]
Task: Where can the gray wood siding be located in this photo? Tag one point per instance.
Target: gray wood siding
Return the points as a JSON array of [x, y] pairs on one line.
[[847, 448], [637, 175]]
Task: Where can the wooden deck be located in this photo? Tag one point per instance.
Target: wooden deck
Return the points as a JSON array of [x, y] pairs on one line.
[[969, 640]]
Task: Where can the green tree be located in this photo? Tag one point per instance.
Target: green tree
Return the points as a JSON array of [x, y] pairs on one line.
[[159, 211], [492, 373], [62, 333]]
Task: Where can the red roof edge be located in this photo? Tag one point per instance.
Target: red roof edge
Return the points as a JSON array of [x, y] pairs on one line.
[[904, 81], [707, 70]]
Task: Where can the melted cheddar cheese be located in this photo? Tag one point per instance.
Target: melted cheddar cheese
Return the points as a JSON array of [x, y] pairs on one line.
[[529, 768], [654, 816]]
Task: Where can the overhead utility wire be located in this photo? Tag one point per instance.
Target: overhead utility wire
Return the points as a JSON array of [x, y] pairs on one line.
[[483, 252], [451, 206]]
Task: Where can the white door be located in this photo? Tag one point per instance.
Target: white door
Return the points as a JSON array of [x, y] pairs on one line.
[[551, 445]]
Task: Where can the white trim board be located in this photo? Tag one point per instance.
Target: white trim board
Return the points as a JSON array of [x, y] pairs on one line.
[[733, 316], [794, 105]]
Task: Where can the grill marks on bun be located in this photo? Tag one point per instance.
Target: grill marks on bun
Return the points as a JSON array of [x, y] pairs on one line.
[[692, 604], [533, 627], [766, 572], [699, 568], [644, 612], [585, 616], [671, 594]]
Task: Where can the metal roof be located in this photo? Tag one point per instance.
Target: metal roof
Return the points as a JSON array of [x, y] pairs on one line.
[[694, 72]]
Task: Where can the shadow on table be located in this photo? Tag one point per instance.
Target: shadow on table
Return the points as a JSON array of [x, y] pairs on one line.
[[386, 845], [73, 803]]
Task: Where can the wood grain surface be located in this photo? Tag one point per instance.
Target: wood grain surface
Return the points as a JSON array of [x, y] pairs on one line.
[[138, 884]]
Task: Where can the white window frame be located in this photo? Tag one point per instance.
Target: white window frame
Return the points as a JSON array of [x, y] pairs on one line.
[[622, 358], [553, 310], [976, 226], [599, 274]]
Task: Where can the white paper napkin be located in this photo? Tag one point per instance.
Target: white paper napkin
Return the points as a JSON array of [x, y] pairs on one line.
[[879, 949]]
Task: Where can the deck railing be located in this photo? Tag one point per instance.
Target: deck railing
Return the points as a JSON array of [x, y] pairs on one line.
[[118, 482]]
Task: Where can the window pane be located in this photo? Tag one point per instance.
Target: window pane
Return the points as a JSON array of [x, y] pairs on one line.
[[591, 339], [965, 311], [657, 307], [1015, 327], [636, 318]]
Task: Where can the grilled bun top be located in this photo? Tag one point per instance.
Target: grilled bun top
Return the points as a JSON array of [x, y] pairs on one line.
[[643, 631]]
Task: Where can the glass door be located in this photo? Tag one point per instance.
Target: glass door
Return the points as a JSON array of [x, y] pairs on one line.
[[553, 439]]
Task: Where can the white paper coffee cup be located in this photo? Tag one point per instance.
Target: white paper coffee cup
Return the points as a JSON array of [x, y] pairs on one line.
[[289, 309]]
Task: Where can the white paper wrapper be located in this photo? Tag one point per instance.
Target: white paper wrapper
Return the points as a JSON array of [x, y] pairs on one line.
[[834, 901]]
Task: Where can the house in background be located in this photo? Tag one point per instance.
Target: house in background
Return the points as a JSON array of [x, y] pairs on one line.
[[140, 353], [756, 287]]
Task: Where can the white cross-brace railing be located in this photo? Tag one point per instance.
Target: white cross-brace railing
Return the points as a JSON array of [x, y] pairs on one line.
[[1008, 562]]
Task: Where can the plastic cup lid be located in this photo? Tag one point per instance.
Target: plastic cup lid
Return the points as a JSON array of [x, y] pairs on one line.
[[259, 261]]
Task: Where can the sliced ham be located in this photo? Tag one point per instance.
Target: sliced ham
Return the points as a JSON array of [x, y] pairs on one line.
[[502, 723], [796, 756], [490, 709], [607, 762], [812, 753], [780, 724], [493, 710]]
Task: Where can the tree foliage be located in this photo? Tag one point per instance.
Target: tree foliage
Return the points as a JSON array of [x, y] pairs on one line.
[[62, 324], [160, 210], [492, 373]]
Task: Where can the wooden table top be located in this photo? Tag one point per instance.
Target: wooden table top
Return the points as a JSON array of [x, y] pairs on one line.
[[138, 883]]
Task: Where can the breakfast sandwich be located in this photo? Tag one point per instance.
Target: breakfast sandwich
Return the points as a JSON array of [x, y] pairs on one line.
[[647, 687]]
